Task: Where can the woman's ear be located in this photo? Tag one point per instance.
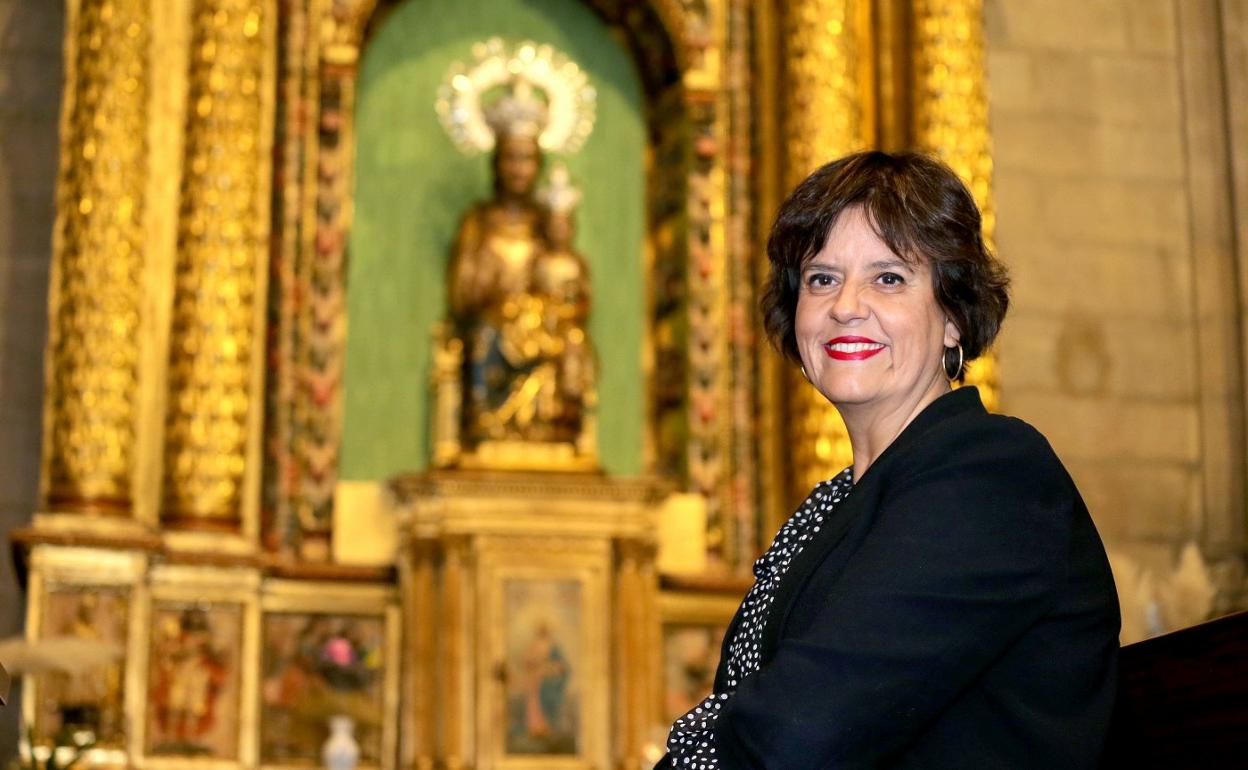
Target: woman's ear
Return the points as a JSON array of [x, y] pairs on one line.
[[952, 335]]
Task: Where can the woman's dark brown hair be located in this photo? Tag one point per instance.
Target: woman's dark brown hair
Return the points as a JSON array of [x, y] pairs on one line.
[[922, 212]]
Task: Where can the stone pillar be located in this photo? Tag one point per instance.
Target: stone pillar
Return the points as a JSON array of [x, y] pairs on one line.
[[98, 246], [827, 68], [213, 411], [950, 107]]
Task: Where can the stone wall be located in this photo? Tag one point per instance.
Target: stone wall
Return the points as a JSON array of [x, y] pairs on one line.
[[30, 92], [1116, 219]]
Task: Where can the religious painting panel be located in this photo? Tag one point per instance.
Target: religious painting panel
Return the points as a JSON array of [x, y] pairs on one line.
[[542, 641], [92, 621], [325, 657], [317, 666], [81, 620], [542, 670], [199, 667], [194, 680], [693, 626], [690, 657]]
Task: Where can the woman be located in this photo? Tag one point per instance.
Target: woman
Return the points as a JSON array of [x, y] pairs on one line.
[[945, 602]]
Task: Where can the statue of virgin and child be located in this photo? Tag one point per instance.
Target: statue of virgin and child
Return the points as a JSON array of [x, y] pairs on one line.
[[515, 366]]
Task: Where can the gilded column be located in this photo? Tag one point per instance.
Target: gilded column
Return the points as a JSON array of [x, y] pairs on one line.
[[630, 722], [96, 291], [637, 642], [455, 655], [829, 113], [417, 728], [950, 108], [222, 242]]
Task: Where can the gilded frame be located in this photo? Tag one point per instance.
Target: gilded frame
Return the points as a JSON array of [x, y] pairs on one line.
[[207, 589], [709, 610], [698, 356], [544, 560], [54, 568], [336, 598]]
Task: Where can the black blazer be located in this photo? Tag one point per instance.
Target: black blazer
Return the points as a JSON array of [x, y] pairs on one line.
[[957, 611]]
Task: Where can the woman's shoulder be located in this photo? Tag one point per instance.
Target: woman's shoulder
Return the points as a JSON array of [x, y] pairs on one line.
[[983, 476], [982, 444], [984, 429]]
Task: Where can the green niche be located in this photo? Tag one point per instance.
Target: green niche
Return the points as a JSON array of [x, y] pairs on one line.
[[412, 185]]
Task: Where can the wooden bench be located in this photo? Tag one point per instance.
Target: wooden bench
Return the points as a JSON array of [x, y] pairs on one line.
[[1183, 699]]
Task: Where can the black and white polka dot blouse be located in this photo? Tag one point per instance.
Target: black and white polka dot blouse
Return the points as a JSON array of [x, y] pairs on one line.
[[691, 742]]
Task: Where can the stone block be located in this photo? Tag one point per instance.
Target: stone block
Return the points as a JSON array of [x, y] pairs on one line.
[[1052, 278], [1218, 328], [22, 390], [1079, 355], [1152, 360], [23, 343], [1235, 38], [1010, 79], [1025, 351], [1078, 147], [1048, 145], [1062, 83], [1138, 152], [19, 460], [1110, 429], [1158, 557], [1137, 90], [1139, 500], [1123, 212], [30, 82], [1078, 25], [29, 155], [26, 220], [1152, 27], [31, 25], [1018, 195], [23, 320]]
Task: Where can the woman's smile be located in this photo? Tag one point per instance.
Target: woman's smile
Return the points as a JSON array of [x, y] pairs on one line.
[[852, 348]]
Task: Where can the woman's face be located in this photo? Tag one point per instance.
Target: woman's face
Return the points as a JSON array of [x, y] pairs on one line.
[[868, 327]]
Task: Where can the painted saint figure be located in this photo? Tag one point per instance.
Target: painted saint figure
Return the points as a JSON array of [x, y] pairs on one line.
[[189, 673], [545, 679], [542, 724]]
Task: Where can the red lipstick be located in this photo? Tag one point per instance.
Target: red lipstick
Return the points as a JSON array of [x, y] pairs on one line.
[[852, 348]]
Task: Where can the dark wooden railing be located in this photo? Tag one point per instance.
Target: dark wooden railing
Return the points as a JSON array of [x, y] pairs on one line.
[[1183, 699]]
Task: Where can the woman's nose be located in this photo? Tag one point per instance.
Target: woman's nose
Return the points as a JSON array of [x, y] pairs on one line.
[[848, 305]]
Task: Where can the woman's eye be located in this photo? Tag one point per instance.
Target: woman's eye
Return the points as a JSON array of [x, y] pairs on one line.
[[818, 280], [891, 279]]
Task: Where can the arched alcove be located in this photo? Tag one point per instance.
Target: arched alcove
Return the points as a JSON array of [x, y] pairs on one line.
[[327, 62], [411, 186]]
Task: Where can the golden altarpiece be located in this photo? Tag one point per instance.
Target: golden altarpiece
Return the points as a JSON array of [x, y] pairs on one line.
[[539, 612]]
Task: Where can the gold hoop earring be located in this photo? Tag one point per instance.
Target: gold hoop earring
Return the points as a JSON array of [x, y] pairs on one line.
[[956, 373], [804, 375]]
